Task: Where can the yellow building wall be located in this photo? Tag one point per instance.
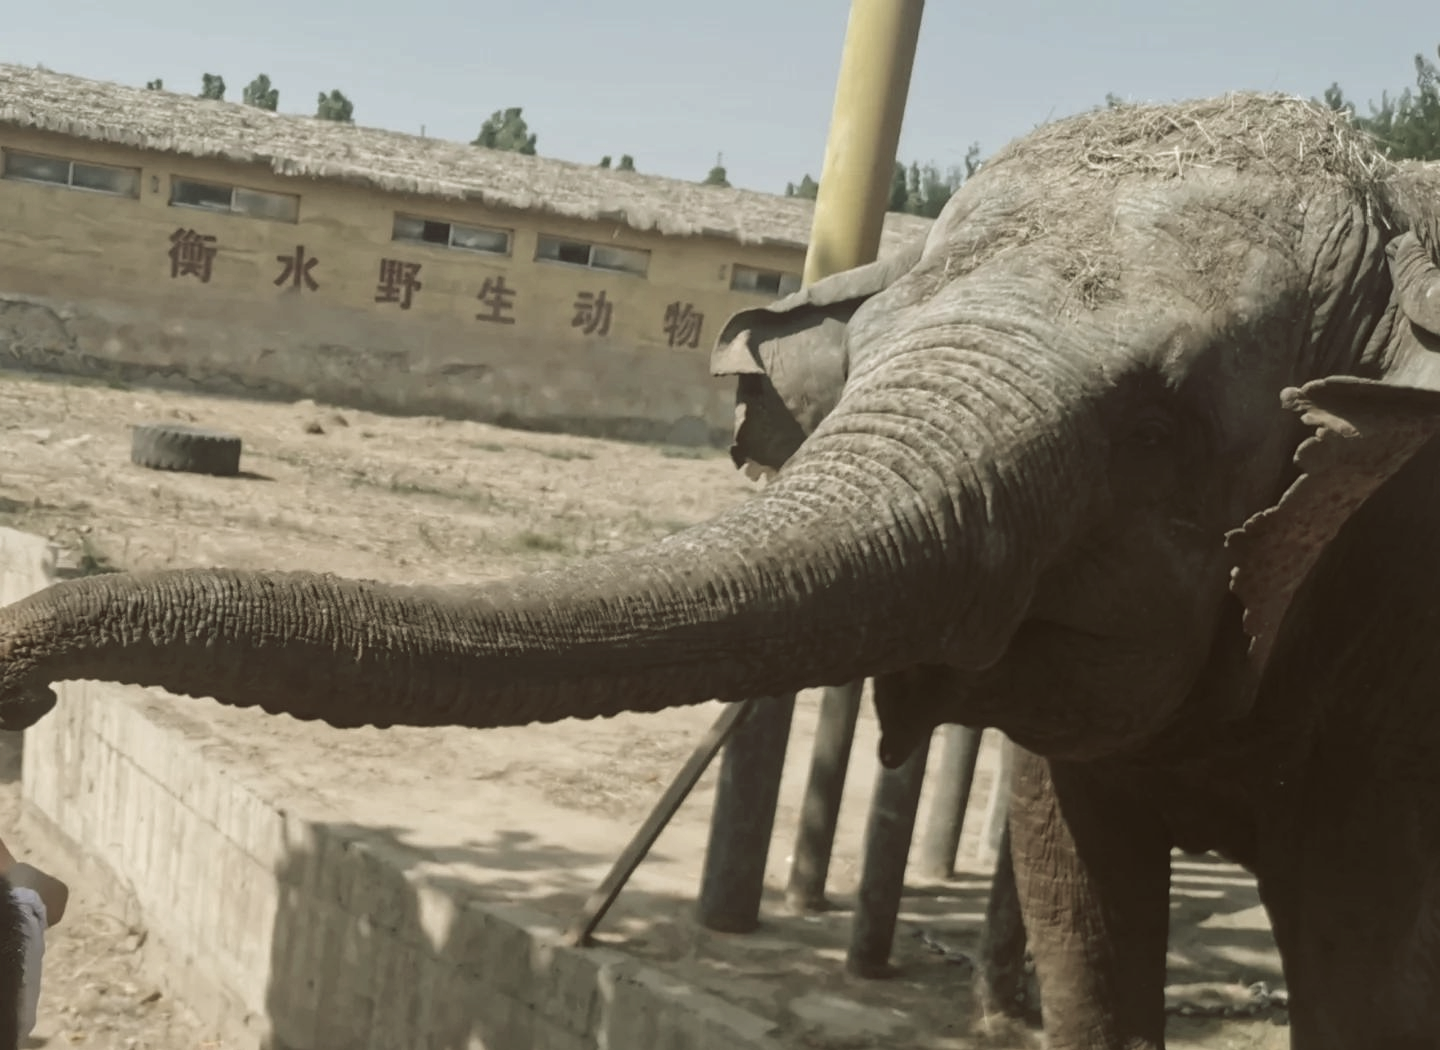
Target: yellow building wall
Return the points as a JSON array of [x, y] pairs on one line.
[[91, 288]]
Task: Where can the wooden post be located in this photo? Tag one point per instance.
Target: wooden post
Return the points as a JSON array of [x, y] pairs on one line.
[[882, 878], [733, 878], [820, 812], [960, 747]]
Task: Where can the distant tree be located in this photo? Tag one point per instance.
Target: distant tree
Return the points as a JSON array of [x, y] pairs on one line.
[[155, 85], [919, 189], [506, 130], [1407, 126], [806, 188], [605, 161], [212, 86], [899, 189], [716, 175], [260, 94], [335, 106], [972, 160], [627, 163], [928, 188]]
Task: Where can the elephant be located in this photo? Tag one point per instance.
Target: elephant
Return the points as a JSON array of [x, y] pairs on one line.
[[1132, 459]]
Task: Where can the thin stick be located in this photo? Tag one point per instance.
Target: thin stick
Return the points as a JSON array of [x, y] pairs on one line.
[[578, 935]]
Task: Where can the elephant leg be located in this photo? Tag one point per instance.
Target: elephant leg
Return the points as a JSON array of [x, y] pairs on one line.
[[1092, 867], [1002, 985]]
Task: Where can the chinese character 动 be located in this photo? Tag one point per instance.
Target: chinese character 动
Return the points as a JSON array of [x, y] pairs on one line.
[[498, 298], [682, 324], [191, 254], [592, 313], [297, 269], [398, 282]]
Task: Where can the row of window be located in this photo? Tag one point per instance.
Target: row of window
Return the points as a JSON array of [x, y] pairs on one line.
[[285, 207]]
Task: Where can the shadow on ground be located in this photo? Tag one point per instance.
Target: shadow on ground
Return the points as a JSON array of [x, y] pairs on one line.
[[380, 943]]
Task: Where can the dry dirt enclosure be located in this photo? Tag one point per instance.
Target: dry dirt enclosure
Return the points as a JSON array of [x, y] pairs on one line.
[[530, 815]]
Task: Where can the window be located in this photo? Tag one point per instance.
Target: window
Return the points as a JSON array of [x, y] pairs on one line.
[[763, 282], [77, 174], [451, 235], [258, 204], [596, 256]]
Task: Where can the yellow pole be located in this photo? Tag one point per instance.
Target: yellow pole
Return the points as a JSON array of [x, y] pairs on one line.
[[849, 212], [864, 135]]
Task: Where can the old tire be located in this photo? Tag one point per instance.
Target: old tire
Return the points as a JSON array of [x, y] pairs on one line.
[[168, 446]]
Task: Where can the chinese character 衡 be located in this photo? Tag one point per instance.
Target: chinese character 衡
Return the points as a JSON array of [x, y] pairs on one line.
[[498, 298], [682, 324], [592, 313], [297, 269], [191, 254], [398, 282]]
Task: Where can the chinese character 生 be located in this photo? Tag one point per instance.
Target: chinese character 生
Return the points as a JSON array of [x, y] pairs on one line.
[[682, 324], [398, 282], [191, 254], [498, 298], [297, 269], [592, 313]]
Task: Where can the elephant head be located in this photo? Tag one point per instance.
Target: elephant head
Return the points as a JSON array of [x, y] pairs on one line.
[[1023, 452]]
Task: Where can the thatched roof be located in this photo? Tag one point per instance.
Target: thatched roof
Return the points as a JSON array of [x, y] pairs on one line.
[[398, 163]]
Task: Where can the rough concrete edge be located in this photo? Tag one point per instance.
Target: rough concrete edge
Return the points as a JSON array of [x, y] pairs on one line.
[[218, 1012], [635, 1005]]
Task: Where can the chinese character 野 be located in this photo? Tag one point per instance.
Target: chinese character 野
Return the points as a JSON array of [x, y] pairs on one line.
[[191, 254], [592, 313], [398, 282], [682, 324], [297, 269], [498, 298]]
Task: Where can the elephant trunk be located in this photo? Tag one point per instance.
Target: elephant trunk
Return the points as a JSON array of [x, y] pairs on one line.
[[902, 533]]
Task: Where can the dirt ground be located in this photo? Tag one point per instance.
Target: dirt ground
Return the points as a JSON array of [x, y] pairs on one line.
[[425, 499]]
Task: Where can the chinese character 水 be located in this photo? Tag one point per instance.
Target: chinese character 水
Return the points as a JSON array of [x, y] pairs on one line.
[[592, 313], [297, 269], [398, 282], [498, 298], [191, 254], [682, 324]]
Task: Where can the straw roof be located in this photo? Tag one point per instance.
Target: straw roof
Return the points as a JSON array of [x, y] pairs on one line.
[[305, 147]]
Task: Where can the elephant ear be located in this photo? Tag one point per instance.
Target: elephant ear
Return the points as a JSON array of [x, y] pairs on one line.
[[1365, 431], [790, 363]]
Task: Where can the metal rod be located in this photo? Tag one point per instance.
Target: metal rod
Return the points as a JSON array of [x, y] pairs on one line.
[[959, 748], [882, 878], [578, 935], [820, 811], [741, 823]]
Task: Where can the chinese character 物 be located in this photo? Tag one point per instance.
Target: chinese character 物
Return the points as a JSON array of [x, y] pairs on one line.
[[398, 282], [682, 324], [297, 269], [191, 254], [499, 298], [592, 313]]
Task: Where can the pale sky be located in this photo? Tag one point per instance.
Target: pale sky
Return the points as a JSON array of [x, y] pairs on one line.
[[674, 83]]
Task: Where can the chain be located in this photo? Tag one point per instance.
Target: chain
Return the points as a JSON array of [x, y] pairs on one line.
[[1263, 999]]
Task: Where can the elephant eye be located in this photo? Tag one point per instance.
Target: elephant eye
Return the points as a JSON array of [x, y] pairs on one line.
[[1153, 430]]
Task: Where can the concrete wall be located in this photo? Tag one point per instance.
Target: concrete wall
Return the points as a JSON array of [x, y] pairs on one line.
[[286, 927], [88, 285]]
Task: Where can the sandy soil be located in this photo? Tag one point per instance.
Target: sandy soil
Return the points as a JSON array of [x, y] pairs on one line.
[[443, 501]]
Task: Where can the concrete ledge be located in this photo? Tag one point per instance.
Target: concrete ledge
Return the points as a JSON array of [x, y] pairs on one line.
[[308, 932]]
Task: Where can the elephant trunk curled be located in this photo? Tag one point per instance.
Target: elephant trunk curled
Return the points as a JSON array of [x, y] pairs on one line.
[[893, 538]]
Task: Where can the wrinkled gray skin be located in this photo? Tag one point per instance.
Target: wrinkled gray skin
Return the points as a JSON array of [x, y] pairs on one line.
[[1059, 432]]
